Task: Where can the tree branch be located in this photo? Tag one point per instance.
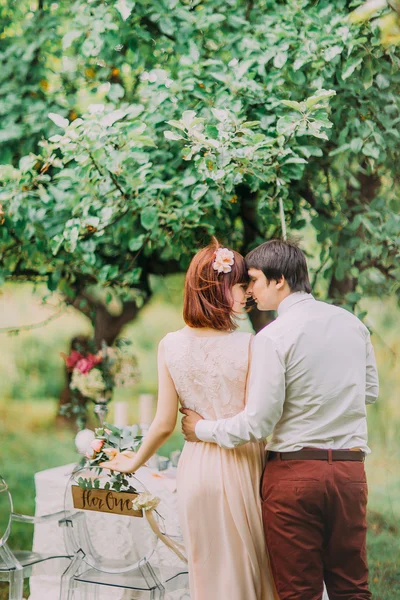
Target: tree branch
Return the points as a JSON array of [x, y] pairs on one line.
[[19, 328]]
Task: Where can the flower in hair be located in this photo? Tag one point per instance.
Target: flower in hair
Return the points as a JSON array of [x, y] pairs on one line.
[[224, 259]]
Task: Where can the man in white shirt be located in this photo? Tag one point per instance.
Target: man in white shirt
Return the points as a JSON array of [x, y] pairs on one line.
[[312, 373]]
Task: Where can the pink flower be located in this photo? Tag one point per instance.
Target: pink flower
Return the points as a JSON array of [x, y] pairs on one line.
[[224, 259], [72, 359], [97, 445], [86, 364]]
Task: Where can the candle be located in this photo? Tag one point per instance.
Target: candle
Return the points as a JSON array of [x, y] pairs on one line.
[[121, 414], [146, 409]]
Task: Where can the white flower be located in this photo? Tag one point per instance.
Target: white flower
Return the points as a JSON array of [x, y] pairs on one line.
[[144, 76], [145, 501], [152, 77], [234, 62], [90, 384], [83, 439], [168, 82], [224, 259]]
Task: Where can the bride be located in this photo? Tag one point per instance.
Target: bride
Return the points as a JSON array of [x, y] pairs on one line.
[[204, 367]]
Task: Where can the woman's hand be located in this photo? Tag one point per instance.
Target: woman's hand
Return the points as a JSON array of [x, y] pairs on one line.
[[123, 462]]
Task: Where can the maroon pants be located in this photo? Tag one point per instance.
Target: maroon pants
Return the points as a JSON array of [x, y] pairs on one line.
[[314, 515]]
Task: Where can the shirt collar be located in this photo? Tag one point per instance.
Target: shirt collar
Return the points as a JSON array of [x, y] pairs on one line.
[[291, 300]]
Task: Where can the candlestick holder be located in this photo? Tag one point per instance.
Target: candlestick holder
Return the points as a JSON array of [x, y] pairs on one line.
[[101, 408]]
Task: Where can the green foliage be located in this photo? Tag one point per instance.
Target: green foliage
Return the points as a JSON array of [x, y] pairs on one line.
[[37, 369], [111, 197]]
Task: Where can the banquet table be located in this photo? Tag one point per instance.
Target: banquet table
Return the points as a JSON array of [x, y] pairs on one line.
[[48, 538]]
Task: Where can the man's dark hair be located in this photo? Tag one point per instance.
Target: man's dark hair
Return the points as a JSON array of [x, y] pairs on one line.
[[278, 257]]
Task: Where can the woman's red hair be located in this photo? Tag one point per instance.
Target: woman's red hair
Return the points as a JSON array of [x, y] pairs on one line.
[[208, 294]]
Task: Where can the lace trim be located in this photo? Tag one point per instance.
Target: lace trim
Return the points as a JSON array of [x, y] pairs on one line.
[[209, 373]]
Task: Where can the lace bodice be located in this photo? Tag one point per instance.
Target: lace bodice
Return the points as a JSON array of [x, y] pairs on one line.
[[209, 373]]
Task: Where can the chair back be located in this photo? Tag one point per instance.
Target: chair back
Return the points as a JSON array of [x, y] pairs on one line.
[[112, 543], [6, 509]]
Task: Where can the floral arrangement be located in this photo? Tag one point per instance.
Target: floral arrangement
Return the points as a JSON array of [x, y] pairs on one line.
[[108, 441], [95, 375]]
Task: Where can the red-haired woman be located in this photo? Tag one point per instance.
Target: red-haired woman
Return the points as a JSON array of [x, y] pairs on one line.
[[204, 367]]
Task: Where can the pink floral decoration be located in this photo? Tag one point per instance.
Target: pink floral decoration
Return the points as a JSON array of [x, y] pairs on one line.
[[86, 364]]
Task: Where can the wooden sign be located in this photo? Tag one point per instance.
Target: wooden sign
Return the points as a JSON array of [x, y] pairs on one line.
[[109, 501]]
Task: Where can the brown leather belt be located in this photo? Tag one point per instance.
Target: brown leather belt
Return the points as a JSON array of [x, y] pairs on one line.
[[311, 454]]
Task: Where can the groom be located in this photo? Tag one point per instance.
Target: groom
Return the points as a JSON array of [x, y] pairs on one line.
[[312, 373]]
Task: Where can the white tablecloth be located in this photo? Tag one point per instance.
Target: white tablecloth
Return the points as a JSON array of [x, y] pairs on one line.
[[48, 538]]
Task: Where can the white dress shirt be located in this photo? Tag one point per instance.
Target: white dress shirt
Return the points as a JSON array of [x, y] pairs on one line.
[[312, 373]]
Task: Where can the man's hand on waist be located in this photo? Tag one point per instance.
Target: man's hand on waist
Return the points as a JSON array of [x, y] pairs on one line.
[[189, 422]]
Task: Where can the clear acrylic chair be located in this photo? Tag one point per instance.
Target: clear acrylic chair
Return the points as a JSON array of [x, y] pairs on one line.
[[113, 550], [15, 565]]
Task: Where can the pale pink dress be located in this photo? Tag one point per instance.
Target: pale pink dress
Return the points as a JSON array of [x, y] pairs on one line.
[[218, 489]]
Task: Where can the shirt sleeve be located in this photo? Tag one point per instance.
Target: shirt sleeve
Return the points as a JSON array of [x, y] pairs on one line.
[[265, 401], [372, 381]]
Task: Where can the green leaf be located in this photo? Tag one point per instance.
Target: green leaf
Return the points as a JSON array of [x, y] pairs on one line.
[[70, 37], [382, 81], [356, 144], [149, 217], [295, 105], [367, 75], [332, 52], [135, 244], [287, 125], [250, 124], [320, 96], [295, 160], [177, 124], [27, 162], [310, 151], [370, 149], [171, 135], [350, 66], [58, 120], [199, 191], [280, 59], [125, 8], [166, 25]]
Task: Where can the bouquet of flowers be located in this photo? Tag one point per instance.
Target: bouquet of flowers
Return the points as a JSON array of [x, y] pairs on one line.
[[107, 443], [95, 375]]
